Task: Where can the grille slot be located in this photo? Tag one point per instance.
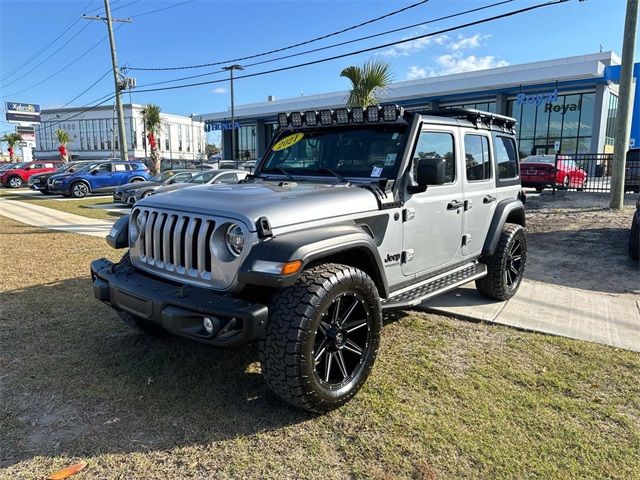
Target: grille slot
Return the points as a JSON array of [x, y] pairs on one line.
[[177, 243]]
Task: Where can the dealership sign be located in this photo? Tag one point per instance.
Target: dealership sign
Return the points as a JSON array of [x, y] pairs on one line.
[[212, 126], [537, 99], [22, 112]]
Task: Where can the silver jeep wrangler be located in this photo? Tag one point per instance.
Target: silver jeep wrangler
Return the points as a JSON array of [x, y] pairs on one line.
[[351, 212]]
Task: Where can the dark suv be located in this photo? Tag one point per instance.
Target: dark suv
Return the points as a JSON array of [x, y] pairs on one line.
[[98, 177], [39, 182]]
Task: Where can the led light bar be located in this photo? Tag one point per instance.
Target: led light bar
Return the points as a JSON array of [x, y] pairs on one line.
[[391, 112], [283, 120], [357, 115], [311, 118], [342, 115], [296, 119], [326, 117], [373, 113]]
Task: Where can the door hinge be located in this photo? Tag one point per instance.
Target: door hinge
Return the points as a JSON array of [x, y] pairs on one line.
[[408, 214], [407, 255]]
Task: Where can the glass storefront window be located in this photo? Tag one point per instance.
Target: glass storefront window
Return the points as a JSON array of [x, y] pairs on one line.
[[586, 114], [571, 116], [246, 147], [528, 121]]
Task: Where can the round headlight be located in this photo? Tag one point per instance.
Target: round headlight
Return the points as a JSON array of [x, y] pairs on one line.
[[141, 221], [234, 238]]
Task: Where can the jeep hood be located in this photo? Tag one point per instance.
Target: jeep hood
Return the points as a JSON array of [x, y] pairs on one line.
[[282, 205]]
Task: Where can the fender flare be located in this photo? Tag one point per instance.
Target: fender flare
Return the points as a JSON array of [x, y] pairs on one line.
[[311, 245], [504, 210]]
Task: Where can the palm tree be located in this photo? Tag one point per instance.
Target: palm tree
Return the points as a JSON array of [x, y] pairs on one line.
[[367, 82], [151, 121], [63, 139], [12, 140]]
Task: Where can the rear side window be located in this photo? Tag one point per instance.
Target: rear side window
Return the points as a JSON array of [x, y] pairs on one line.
[[135, 166], [49, 165], [436, 145], [477, 159], [506, 158], [36, 165], [119, 167]]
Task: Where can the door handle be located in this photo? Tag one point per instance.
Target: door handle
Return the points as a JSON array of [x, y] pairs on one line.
[[488, 199], [454, 205]]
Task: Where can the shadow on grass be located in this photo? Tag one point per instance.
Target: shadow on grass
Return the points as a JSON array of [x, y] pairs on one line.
[[589, 259], [78, 382]]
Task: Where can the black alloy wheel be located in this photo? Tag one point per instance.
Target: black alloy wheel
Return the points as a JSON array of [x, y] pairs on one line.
[[514, 267]]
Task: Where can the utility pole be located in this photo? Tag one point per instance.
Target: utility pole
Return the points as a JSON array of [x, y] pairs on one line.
[[119, 84], [230, 69], [625, 104]]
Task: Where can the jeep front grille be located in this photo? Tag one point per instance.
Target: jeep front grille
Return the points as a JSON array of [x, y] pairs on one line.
[[183, 246], [177, 242]]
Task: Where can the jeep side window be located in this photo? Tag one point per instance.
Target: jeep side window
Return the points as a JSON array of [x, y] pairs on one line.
[[506, 158], [477, 159], [436, 145]]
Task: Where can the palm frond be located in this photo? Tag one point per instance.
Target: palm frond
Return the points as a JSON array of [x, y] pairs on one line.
[[151, 118], [12, 139], [62, 136], [367, 82]]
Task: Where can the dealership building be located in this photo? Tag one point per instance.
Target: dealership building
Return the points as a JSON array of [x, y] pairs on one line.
[[568, 102], [94, 134]]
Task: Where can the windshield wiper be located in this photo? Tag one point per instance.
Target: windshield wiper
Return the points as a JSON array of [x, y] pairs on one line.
[[334, 173], [281, 170]]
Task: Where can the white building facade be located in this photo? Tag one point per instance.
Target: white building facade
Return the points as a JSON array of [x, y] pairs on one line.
[[94, 134]]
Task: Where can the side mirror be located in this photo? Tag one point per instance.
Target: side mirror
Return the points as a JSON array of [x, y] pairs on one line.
[[429, 171]]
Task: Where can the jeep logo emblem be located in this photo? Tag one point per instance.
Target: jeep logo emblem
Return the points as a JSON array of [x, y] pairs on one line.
[[392, 258]]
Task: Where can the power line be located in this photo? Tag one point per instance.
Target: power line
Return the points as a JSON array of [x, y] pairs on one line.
[[61, 69], [365, 50], [87, 89], [46, 46], [46, 59], [322, 37], [347, 42], [160, 9]]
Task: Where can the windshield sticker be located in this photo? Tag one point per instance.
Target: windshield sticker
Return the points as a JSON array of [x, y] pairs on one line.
[[390, 160], [376, 172], [287, 141]]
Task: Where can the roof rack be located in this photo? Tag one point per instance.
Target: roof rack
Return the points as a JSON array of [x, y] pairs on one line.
[[474, 116]]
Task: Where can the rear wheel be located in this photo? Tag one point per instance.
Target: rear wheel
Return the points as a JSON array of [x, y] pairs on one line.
[[322, 337], [565, 183], [505, 267], [79, 190], [15, 182]]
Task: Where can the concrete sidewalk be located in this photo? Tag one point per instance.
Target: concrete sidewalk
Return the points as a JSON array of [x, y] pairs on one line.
[[44, 217], [608, 318]]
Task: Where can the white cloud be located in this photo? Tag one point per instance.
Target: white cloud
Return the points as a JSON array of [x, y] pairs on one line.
[[416, 72], [413, 46], [219, 90], [457, 63], [463, 42]]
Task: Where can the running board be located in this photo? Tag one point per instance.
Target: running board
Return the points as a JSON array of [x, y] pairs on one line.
[[415, 294]]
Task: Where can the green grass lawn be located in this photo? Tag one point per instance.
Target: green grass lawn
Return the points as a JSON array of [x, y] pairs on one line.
[[78, 207], [447, 399]]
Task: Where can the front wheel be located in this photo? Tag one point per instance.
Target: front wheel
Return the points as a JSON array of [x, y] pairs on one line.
[[505, 267], [322, 337], [15, 182], [79, 190]]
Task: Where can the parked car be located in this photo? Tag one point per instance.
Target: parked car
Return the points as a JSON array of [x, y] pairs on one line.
[[365, 212], [632, 171], [634, 234], [98, 177], [39, 181], [207, 177], [537, 171], [130, 193], [19, 174]]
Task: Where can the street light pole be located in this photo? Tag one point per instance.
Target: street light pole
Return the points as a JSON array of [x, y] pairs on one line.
[[116, 74], [230, 69], [625, 104]]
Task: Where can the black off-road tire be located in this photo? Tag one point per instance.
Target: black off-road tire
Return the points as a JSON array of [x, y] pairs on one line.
[[634, 237], [495, 284], [295, 314]]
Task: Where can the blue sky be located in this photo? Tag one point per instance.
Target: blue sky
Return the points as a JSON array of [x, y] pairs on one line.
[[203, 31]]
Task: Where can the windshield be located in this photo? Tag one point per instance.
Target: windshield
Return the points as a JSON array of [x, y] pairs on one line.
[[372, 151], [162, 177], [18, 165], [203, 177], [88, 167]]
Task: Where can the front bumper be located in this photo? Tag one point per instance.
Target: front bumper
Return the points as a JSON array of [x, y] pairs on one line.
[[124, 197], [179, 309]]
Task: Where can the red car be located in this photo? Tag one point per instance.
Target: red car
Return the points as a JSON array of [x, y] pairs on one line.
[[538, 171], [18, 175]]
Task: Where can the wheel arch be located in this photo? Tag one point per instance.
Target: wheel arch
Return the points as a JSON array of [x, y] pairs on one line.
[[136, 179], [507, 211], [345, 244]]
